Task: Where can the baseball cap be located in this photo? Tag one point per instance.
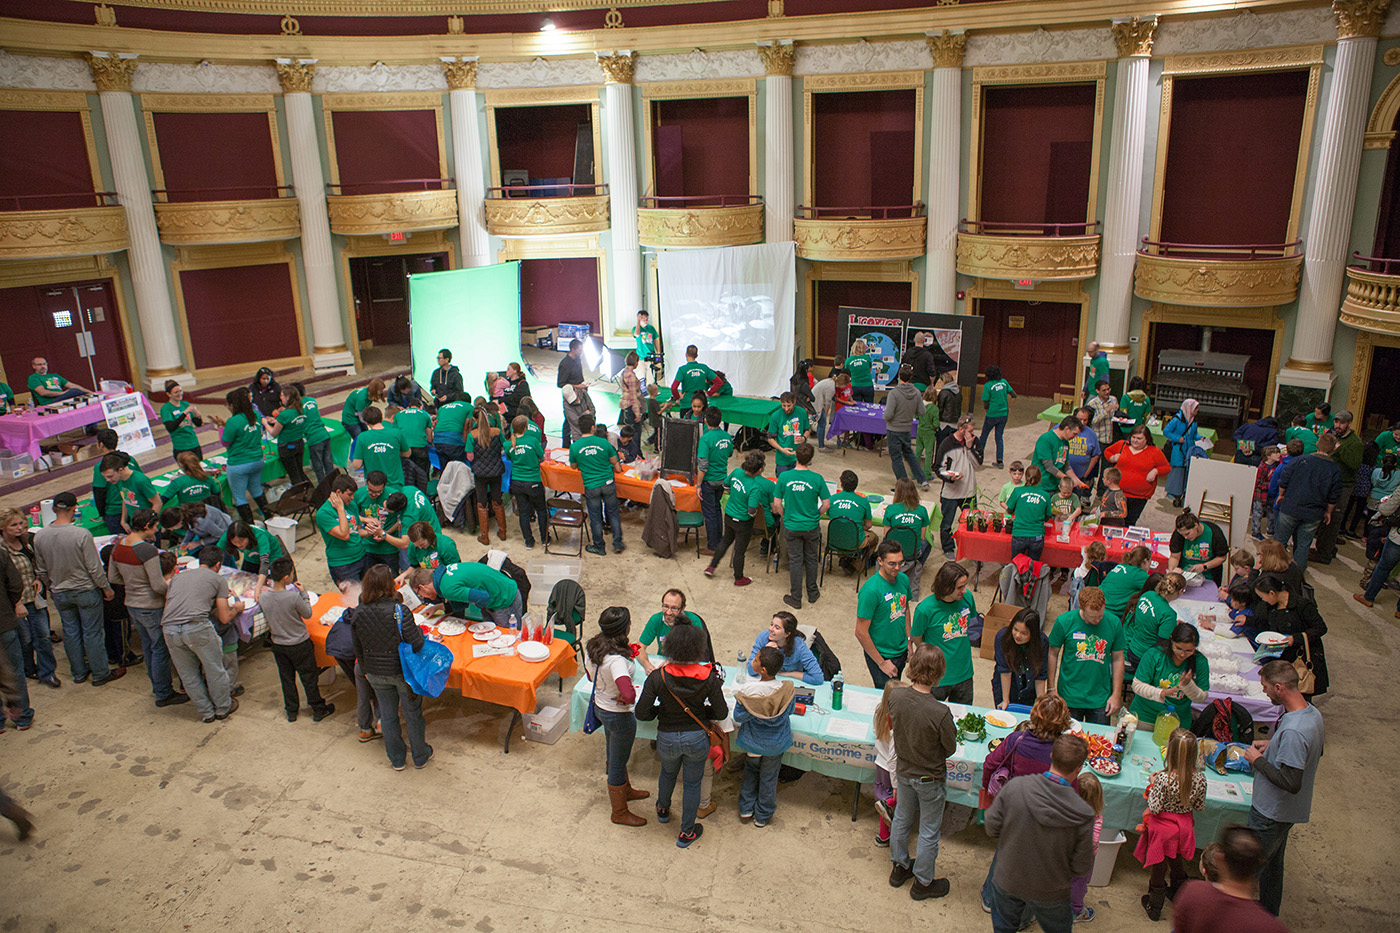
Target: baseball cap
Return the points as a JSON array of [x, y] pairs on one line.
[[65, 500]]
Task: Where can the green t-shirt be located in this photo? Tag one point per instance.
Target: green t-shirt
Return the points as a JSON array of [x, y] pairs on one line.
[[381, 449], [1156, 669], [414, 425], [137, 491], [1007, 488], [994, 398], [714, 450], [339, 553], [51, 381], [944, 625], [767, 491], [1317, 427], [886, 605], [1153, 619], [1119, 587], [366, 506], [418, 509], [1137, 411], [293, 422], [743, 495], [316, 430], [356, 402], [593, 456], [694, 377], [185, 489], [1062, 507], [500, 589], [656, 628], [525, 455], [1031, 510], [262, 544], [452, 418], [786, 429], [859, 368], [535, 431], [184, 437], [7, 398], [801, 492], [114, 498], [850, 505], [443, 553], [1050, 449], [243, 441], [1386, 442], [901, 516], [1086, 658], [1308, 438], [646, 341], [1098, 370]]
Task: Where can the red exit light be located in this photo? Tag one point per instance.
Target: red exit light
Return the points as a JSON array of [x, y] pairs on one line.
[[396, 237]]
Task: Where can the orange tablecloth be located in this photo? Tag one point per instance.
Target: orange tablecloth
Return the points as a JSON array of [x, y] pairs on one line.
[[504, 680], [564, 478]]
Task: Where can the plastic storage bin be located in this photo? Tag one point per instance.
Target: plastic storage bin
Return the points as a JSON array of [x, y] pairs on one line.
[[1104, 860], [286, 531], [547, 725], [544, 572], [16, 464]]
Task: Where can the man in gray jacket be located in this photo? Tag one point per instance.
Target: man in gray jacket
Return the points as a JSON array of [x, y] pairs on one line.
[[903, 405], [1046, 834], [956, 463], [67, 563]]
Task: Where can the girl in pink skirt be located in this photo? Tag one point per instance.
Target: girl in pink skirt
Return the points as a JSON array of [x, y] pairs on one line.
[[1169, 829]]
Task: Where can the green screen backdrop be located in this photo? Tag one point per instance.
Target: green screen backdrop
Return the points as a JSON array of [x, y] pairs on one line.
[[475, 313]]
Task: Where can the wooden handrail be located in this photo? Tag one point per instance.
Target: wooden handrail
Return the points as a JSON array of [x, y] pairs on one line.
[[725, 200], [1032, 228], [862, 212], [527, 191], [1387, 266], [99, 199], [1236, 252], [162, 195], [443, 183]]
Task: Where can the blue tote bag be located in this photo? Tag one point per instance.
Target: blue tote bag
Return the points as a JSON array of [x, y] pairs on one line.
[[424, 670]]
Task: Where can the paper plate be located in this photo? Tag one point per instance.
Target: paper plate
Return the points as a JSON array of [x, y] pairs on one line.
[[481, 627], [1001, 719], [485, 636], [1271, 638], [501, 641], [450, 627], [533, 651]]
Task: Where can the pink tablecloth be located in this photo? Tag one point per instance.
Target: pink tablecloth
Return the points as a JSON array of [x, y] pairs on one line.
[[22, 433]]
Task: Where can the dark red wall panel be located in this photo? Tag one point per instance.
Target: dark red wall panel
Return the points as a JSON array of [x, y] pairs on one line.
[[374, 147], [240, 314], [1232, 157], [849, 166], [216, 150], [540, 140], [554, 290], [1037, 143], [52, 159], [892, 296], [714, 145]]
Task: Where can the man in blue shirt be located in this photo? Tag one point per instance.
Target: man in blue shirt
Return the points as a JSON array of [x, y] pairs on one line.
[[1084, 447]]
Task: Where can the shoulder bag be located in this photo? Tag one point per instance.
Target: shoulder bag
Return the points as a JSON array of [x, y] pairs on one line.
[[591, 722], [1307, 680], [1002, 774], [719, 742], [424, 670]]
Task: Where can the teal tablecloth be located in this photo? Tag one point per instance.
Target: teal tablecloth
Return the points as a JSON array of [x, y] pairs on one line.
[[1054, 415], [747, 410]]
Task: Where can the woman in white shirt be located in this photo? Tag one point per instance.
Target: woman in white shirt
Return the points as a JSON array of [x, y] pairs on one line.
[[608, 663]]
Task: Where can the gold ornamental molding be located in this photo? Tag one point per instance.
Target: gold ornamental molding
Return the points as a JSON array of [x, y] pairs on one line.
[[534, 217], [1217, 283], [618, 68], [410, 211], [296, 76], [67, 232], [846, 240], [1378, 128], [1052, 73], [871, 81], [209, 103], [197, 223], [1366, 343], [672, 228], [1022, 257], [1392, 56], [1359, 18], [460, 75], [947, 49], [111, 72], [1276, 59], [26, 99], [1134, 37], [778, 57], [1372, 302], [534, 96]]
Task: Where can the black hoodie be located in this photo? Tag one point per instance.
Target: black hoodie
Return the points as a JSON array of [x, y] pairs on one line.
[[266, 399]]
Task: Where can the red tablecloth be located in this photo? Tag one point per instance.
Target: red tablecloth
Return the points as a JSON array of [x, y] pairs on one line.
[[22, 433], [995, 547]]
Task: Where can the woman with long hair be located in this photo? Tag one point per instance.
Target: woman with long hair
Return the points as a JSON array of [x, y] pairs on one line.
[[1152, 617], [1022, 653], [1281, 609], [798, 659], [908, 512], [484, 452], [1142, 463], [352, 415], [378, 624], [180, 419], [1171, 677], [265, 392], [242, 436], [608, 663], [17, 543], [193, 484], [1274, 557], [1123, 584], [289, 427]]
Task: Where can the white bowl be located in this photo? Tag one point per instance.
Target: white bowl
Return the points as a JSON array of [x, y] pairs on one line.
[[532, 651]]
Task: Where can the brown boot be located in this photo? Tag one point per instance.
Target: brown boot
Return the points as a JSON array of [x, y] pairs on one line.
[[483, 525], [622, 816], [635, 794], [501, 521]]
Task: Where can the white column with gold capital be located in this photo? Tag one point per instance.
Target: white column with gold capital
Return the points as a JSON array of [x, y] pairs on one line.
[[1334, 193], [154, 309], [618, 68], [944, 158], [466, 161], [317, 258], [778, 194], [1122, 207]]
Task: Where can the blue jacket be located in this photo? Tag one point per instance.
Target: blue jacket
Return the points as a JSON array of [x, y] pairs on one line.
[[1250, 437], [1183, 437], [1309, 484], [1275, 476], [802, 659], [771, 736]]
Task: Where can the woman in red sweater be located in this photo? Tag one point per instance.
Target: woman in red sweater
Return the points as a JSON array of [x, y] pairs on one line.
[[1141, 462]]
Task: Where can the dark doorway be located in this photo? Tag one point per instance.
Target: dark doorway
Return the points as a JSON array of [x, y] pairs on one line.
[[1387, 243], [1383, 390], [1036, 344], [379, 285], [559, 290], [1258, 345], [67, 324]]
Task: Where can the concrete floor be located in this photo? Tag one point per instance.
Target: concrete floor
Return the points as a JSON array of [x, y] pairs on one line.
[[148, 819]]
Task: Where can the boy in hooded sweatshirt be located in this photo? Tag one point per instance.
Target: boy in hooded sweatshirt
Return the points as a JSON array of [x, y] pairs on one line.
[[763, 710]]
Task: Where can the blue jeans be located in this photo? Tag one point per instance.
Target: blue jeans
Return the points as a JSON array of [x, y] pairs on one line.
[[683, 754], [394, 694], [821, 429], [349, 573], [1009, 913], [603, 501], [153, 650], [198, 654], [921, 799], [322, 463], [1029, 546], [501, 615], [988, 887], [758, 794], [83, 632], [989, 425], [14, 652], [620, 731], [901, 448], [38, 650], [879, 677], [354, 429], [1390, 556], [1273, 835], [710, 494], [862, 393], [245, 479], [1301, 533]]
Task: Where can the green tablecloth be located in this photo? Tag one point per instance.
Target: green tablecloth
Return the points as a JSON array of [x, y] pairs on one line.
[[841, 744], [747, 410], [1054, 415]]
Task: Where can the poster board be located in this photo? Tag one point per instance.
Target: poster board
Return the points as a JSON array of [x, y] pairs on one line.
[[1218, 480], [127, 416], [889, 334]]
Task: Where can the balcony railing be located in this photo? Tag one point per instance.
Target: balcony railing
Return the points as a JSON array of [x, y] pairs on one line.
[[860, 234], [700, 221], [225, 193], [227, 214], [1372, 301], [1215, 275], [546, 210], [59, 202], [49, 226], [1052, 252], [391, 206]]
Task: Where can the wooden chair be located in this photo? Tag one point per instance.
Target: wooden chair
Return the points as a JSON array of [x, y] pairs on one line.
[[567, 514]]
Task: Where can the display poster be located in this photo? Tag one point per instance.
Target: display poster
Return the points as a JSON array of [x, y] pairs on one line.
[[127, 416], [887, 335], [878, 335]]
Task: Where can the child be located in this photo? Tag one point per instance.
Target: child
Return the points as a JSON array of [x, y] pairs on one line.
[[1292, 451], [1261, 511], [843, 391], [1065, 506], [1018, 473], [1241, 564], [168, 563], [1091, 792], [926, 446], [762, 711], [1240, 599], [1356, 510], [286, 608], [1169, 829], [1090, 572], [1300, 431], [885, 763], [498, 385], [1113, 507]]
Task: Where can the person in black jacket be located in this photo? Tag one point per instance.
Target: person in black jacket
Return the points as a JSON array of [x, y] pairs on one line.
[[949, 406], [1283, 610], [682, 695], [377, 626], [266, 393], [446, 380], [519, 390]]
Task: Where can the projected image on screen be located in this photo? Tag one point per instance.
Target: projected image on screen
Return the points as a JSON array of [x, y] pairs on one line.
[[475, 313], [740, 319]]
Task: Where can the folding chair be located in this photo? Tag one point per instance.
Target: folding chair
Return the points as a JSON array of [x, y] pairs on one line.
[[567, 514], [844, 538], [691, 524], [295, 504]]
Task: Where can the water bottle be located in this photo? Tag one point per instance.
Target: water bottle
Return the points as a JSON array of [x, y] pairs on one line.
[[742, 677], [838, 687], [514, 626]]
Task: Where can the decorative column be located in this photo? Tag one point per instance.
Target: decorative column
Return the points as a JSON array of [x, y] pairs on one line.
[[778, 195], [1122, 209], [466, 160], [112, 74], [1334, 194], [317, 258], [944, 167], [618, 68]]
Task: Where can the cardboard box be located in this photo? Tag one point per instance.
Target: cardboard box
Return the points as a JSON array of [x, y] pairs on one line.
[[998, 617]]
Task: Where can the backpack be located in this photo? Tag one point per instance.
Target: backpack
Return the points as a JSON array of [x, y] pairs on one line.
[[830, 663], [516, 573]]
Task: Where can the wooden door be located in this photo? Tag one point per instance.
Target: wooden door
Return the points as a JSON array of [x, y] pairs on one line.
[[1035, 344], [380, 287], [81, 322]]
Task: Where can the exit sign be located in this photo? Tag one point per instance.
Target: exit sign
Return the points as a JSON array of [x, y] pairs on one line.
[[396, 237], [1023, 283]]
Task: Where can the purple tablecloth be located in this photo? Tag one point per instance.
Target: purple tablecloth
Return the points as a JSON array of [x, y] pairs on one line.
[[1203, 600], [867, 417], [22, 433]]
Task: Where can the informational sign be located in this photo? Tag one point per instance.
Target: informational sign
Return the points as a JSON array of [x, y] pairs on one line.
[[879, 336], [886, 336], [127, 416]]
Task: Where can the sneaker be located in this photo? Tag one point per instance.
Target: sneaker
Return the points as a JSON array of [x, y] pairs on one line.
[[794, 603], [938, 887], [759, 824], [370, 736], [53, 683], [175, 699], [396, 767], [663, 814], [882, 843], [619, 548], [685, 839], [899, 874], [116, 674], [593, 549], [232, 708], [925, 486], [883, 808], [1084, 916], [998, 466], [529, 545], [328, 710], [986, 908], [814, 596], [709, 571], [425, 760], [742, 581], [292, 717], [745, 817], [237, 691]]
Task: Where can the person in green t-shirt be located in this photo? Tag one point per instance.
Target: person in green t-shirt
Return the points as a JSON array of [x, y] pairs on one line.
[[1124, 582], [46, 387], [1320, 420], [1051, 455], [714, 450], [379, 447], [449, 430], [288, 426], [801, 498], [787, 428], [1029, 507], [106, 499], [526, 487], [470, 583], [342, 533], [1086, 659], [691, 376], [1170, 677], [1388, 440], [318, 437], [407, 507], [358, 403], [242, 437], [858, 365], [907, 512], [672, 613], [745, 503], [942, 621], [132, 486], [597, 464], [192, 483], [1135, 403], [1153, 617], [648, 340], [996, 401], [415, 427], [371, 503], [180, 419], [882, 616], [7, 398], [430, 547], [851, 505], [251, 549], [1300, 431], [1095, 368]]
